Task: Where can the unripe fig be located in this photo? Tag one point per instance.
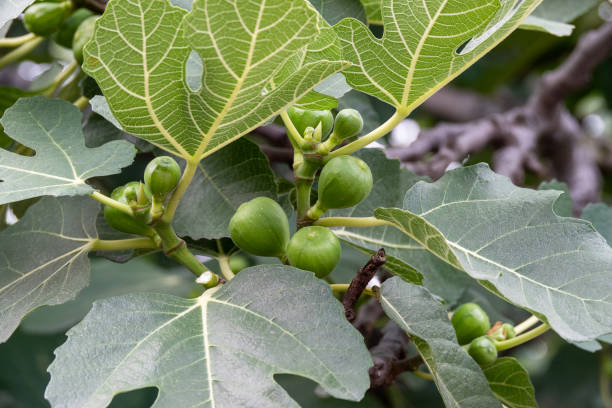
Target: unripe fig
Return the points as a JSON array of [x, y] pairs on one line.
[[483, 350], [303, 118], [314, 249], [65, 34], [124, 222], [348, 123], [45, 18], [162, 174], [470, 322], [344, 182], [260, 227], [132, 194], [238, 263], [82, 36]]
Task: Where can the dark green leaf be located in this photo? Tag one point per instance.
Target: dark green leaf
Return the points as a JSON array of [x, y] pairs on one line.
[[510, 382]]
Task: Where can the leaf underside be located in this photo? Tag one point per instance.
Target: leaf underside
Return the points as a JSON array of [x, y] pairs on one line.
[[459, 379], [61, 163], [511, 240], [256, 62], [425, 44], [221, 349], [43, 258]]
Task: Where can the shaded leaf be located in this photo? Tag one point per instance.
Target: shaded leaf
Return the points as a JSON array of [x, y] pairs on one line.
[[600, 215], [459, 379], [564, 206], [418, 53], [335, 10], [62, 163], [226, 179], [138, 56], [43, 258], [220, 349], [510, 239], [510, 382]]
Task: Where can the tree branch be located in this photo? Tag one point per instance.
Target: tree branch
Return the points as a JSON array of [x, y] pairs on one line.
[[359, 283]]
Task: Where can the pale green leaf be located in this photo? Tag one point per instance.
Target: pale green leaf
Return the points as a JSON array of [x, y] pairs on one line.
[[511, 240], [219, 350], [425, 44], [43, 258], [62, 163], [459, 379], [10, 9], [142, 274], [510, 382], [139, 52], [233, 175]]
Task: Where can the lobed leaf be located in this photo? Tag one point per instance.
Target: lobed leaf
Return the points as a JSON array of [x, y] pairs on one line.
[[511, 240], [43, 258], [62, 163], [140, 49], [221, 349], [459, 379], [425, 44]]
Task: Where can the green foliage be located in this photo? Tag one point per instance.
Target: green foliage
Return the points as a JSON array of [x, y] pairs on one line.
[[255, 321], [62, 163]]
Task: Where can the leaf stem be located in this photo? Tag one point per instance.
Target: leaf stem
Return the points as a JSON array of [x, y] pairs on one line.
[[294, 136], [81, 103], [422, 374], [226, 271], [20, 52], [175, 248], [61, 77], [16, 41], [527, 324], [351, 222], [117, 245], [523, 338], [113, 203], [339, 288], [180, 190], [374, 135]]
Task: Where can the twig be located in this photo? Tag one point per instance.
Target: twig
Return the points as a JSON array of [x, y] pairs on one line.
[[359, 283], [390, 350]]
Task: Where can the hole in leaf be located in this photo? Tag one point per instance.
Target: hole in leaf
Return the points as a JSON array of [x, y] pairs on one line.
[[144, 397], [193, 71]]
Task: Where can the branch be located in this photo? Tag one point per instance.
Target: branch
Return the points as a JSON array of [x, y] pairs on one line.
[[359, 283], [390, 350]]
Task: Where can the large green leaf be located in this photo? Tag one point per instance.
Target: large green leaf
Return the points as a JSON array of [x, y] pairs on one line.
[[420, 50], [226, 179], [62, 163], [510, 382], [43, 258], [10, 9], [139, 52], [219, 350], [405, 257], [511, 239], [600, 215], [459, 379]]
